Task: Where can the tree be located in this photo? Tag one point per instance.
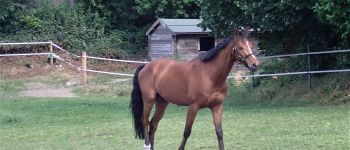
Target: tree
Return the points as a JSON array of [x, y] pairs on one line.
[[286, 25], [140, 13], [133, 17], [118, 13], [10, 12], [337, 13], [149, 10]]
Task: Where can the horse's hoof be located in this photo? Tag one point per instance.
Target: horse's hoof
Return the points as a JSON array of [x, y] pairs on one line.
[[147, 147]]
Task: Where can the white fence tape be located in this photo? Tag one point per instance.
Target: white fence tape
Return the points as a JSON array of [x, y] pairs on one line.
[[60, 48], [66, 62], [26, 54], [240, 76], [110, 73], [25, 43], [118, 60]]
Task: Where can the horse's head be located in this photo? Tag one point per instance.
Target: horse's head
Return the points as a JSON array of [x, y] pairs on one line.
[[242, 50]]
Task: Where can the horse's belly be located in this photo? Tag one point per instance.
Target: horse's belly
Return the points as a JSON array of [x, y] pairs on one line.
[[174, 96]]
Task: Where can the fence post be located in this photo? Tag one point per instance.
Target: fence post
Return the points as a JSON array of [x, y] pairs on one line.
[[51, 55], [83, 65], [309, 68], [253, 82]]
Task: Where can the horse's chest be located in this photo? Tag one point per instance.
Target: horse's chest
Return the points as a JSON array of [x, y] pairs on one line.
[[209, 98], [214, 98], [217, 96]]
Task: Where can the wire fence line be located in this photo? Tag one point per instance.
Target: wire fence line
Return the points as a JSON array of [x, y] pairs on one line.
[[292, 73], [145, 62], [304, 54]]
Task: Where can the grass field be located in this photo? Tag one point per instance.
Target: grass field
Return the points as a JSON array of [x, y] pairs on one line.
[[104, 122]]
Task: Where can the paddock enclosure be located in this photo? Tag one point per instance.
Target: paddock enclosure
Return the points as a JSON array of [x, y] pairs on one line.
[[79, 62], [98, 117]]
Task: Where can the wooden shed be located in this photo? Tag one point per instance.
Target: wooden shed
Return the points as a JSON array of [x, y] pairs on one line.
[[182, 39]]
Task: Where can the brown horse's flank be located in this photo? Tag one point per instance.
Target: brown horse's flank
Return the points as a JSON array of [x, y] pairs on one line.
[[200, 83]]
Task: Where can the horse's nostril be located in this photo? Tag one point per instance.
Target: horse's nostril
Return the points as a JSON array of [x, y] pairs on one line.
[[253, 67]]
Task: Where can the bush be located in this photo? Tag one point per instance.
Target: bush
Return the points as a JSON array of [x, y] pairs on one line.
[[75, 30]]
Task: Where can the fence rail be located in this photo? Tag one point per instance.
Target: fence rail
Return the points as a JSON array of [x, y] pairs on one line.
[[25, 43], [26, 54], [81, 68], [118, 60]]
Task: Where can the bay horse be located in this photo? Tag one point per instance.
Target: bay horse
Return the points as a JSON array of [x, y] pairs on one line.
[[199, 83]]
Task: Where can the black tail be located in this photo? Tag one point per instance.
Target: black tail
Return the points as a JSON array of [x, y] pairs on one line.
[[136, 105]]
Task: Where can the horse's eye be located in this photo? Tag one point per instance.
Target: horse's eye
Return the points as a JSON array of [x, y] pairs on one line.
[[240, 48]]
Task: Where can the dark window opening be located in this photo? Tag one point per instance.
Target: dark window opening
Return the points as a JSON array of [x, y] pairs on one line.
[[206, 43]]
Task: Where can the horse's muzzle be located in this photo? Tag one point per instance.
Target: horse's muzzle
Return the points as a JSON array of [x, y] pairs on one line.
[[253, 67]]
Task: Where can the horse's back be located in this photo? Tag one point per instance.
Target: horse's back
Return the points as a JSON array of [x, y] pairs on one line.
[[162, 66]]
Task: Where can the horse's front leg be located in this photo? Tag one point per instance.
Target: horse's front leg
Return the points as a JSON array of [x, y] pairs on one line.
[[191, 115], [217, 111]]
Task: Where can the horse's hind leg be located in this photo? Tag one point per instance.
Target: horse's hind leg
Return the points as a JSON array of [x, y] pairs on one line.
[[157, 116], [148, 102]]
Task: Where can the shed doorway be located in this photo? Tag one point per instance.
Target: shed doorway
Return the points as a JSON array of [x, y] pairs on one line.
[[206, 43]]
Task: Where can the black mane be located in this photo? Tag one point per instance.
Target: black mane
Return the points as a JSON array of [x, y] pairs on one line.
[[214, 51]]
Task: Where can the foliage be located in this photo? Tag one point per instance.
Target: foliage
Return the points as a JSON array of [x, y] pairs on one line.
[[134, 17], [337, 13], [167, 9], [111, 28], [284, 26], [76, 30], [116, 28], [277, 65], [118, 13], [292, 90], [10, 12], [138, 13], [289, 25]]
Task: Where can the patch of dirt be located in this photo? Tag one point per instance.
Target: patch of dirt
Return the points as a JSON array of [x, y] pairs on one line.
[[32, 66], [46, 90]]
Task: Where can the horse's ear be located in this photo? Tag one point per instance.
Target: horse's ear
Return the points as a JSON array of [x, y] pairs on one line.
[[235, 32], [246, 31]]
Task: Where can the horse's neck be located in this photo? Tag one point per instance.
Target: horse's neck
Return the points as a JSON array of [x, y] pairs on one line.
[[219, 68]]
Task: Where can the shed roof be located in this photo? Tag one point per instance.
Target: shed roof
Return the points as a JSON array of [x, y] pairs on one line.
[[180, 26]]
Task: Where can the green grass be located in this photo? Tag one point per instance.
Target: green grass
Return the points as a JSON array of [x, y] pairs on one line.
[[97, 122], [273, 116], [10, 88]]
